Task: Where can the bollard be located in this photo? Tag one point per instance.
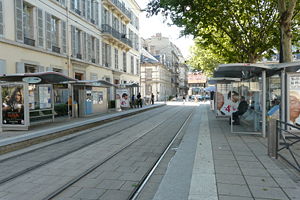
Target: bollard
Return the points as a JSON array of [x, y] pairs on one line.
[[272, 139]]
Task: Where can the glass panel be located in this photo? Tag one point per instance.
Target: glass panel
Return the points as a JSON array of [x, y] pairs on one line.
[[248, 96]]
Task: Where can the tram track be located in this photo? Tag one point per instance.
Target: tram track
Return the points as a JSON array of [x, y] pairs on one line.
[[92, 141], [148, 174]]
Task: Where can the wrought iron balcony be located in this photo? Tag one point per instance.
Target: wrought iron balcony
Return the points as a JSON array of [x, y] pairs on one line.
[[78, 11], [93, 60], [29, 41], [120, 8], [93, 21], [107, 29], [79, 56], [55, 49]]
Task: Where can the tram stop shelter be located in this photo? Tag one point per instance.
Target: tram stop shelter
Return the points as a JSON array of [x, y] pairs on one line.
[[30, 97], [242, 81], [90, 97]]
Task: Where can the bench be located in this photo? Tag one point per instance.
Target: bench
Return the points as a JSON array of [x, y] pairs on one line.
[[42, 113]]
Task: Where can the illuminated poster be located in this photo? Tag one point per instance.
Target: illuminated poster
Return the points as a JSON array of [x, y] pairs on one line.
[[226, 100], [13, 104], [123, 96], [45, 97], [294, 99]]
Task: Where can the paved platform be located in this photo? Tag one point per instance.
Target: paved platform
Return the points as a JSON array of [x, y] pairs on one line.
[[225, 166], [61, 124]]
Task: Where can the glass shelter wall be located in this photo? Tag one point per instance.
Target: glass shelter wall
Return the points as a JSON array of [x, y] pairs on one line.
[[249, 96]]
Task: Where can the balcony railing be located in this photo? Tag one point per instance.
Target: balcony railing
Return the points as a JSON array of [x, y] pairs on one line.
[[122, 7], [55, 49], [79, 56], [78, 11], [29, 41], [93, 60], [116, 34]]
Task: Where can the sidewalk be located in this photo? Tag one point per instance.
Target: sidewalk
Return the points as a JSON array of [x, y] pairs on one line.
[[63, 124], [226, 166]]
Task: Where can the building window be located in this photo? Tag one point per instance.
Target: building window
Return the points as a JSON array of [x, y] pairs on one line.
[[132, 64], [124, 62], [31, 68], [76, 42], [79, 76], [94, 76], [116, 58], [148, 73], [28, 24], [148, 89], [54, 31], [106, 55]]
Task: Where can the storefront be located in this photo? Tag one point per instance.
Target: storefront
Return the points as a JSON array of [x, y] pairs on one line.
[[28, 98]]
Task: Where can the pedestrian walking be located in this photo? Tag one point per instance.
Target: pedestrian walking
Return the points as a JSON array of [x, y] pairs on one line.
[[152, 98], [183, 98]]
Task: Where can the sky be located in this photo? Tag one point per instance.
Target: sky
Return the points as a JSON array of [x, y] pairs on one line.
[[151, 26]]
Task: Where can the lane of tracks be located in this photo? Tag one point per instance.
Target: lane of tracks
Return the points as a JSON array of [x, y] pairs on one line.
[[71, 145], [186, 114]]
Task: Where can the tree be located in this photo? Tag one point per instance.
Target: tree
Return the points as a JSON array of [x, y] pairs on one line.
[[286, 9], [241, 31]]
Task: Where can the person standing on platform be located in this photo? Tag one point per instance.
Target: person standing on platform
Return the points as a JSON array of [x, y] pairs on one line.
[[139, 99], [152, 98]]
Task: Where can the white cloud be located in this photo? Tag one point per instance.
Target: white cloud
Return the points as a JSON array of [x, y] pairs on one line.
[[151, 26]]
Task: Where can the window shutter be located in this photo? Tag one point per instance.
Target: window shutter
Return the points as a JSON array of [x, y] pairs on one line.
[[89, 47], [73, 5], [103, 54], [97, 51], [83, 8], [88, 10], [2, 67], [84, 52], [109, 56], [40, 29], [73, 41], [64, 36], [1, 18], [19, 20], [96, 7], [41, 68], [48, 31], [20, 68]]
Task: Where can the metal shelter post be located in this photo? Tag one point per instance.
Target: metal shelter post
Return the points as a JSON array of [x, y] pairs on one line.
[[264, 101]]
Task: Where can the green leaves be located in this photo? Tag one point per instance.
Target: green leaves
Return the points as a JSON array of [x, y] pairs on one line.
[[234, 30]]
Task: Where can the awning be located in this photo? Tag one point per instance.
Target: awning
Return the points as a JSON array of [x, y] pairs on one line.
[[240, 70], [95, 83], [289, 67], [37, 78]]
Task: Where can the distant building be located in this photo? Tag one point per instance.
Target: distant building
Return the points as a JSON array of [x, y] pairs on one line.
[[155, 77], [170, 55], [196, 83]]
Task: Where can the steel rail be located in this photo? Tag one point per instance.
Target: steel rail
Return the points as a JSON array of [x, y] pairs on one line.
[[95, 166], [22, 172], [141, 186]]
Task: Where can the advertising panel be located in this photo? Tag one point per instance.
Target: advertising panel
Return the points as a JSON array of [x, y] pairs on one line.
[[124, 97], [226, 100], [294, 98], [13, 104]]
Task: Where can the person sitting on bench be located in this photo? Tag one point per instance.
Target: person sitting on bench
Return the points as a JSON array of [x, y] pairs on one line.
[[242, 108]]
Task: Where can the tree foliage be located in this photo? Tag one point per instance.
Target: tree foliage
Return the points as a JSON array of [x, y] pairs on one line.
[[234, 30]]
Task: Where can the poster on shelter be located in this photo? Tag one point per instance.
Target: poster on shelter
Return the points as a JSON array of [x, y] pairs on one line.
[[294, 99], [45, 97], [226, 100], [123, 95], [13, 104]]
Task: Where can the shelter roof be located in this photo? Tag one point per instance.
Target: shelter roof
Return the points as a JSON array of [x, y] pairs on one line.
[[46, 77], [95, 83]]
